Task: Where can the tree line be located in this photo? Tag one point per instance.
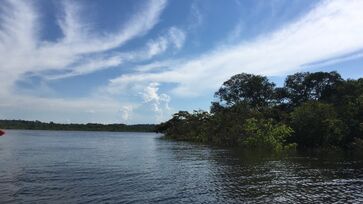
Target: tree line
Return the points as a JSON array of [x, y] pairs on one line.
[[311, 110], [37, 125]]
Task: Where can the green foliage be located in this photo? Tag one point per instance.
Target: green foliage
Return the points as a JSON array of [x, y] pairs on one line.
[[316, 125], [186, 126], [265, 134], [322, 109], [302, 87], [225, 126]]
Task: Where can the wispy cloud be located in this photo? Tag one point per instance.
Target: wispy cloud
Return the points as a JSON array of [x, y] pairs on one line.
[[333, 61], [330, 30], [173, 38], [196, 17], [22, 51], [83, 42], [89, 65], [18, 38], [328, 34], [156, 66], [79, 51]]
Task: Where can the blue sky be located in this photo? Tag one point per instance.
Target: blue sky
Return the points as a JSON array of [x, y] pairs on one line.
[[139, 61]]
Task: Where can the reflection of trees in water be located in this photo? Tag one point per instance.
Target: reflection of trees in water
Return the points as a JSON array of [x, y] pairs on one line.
[[240, 176], [199, 173]]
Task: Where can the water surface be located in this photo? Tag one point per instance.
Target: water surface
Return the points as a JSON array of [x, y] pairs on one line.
[[104, 167]]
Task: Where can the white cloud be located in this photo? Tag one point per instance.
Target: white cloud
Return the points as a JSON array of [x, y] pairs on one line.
[[332, 29], [155, 66], [70, 22], [22, 51], [159, 102], [89, 65], [157, 47], [81, 50], [327, 34], [19, 30], [126, 112], [174, 37], [83, 42], [337, 60]]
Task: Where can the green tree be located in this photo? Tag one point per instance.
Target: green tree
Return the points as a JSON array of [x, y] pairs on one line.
[[348, 103], [303, 87], [255, 90], [317, 125], [323, 109]]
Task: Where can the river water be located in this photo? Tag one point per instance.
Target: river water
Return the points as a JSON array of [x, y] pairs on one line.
[[104, 167]]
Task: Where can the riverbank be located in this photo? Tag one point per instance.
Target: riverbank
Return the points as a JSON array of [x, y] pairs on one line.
[[37, 125], [318, 110]]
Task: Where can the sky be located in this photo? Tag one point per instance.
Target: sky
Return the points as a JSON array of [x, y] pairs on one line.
[[140, 61]]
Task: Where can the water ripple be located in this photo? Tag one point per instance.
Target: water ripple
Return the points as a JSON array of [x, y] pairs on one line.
[[78, 167]]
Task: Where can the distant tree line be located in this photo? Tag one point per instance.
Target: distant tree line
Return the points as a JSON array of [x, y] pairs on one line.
[[311, 110], [37, 125]]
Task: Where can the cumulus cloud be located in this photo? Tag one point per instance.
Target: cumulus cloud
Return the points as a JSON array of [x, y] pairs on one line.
[[126, 112], [159, 102], [330, 30], [328, 34]]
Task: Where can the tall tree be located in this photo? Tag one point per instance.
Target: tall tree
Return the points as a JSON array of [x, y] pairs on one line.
[[302, 87], [254, 90]]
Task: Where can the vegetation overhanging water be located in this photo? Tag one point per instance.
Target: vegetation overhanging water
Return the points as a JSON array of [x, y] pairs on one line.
[[320, 111]]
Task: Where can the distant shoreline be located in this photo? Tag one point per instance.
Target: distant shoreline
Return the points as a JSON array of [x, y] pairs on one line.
[[38, 125], [104, 131]]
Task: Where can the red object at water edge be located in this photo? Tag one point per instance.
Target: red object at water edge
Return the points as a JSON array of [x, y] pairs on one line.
[[2, 132]]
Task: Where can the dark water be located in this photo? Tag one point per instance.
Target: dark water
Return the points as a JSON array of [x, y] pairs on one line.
[[84, 167]]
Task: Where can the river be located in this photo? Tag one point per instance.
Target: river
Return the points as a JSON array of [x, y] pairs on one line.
[[105, 167]]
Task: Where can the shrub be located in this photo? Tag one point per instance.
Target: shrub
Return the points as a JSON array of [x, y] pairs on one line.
[[265, 134]]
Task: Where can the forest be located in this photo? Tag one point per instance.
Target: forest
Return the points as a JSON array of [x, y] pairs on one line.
[[318, 110], [37, 125]]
